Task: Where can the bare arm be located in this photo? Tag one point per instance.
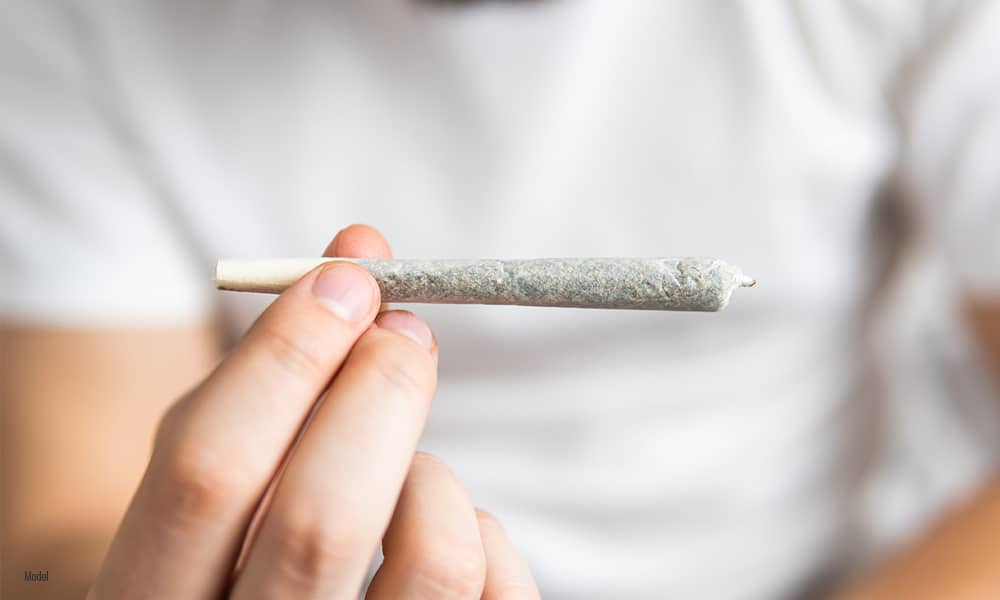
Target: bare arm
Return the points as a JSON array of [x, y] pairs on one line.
[[959, 557], [984, 318], [79, 411]]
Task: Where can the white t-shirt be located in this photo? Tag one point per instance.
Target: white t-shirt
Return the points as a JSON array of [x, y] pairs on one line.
[[630, 454]]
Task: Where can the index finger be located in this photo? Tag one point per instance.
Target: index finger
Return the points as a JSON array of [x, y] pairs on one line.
[[353, 241], [217, 449], [359, 241]]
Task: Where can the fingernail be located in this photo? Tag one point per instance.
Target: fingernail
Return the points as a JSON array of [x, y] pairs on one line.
[[346, 291], [407, 324]]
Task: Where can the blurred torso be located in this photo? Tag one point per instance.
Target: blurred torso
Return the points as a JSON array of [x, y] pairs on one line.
[[668, 455]]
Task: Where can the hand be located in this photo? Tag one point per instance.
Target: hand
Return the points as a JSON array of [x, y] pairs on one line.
[[333, 489]]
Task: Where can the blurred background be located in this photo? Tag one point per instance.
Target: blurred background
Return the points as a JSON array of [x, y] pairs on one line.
[[842, 153]]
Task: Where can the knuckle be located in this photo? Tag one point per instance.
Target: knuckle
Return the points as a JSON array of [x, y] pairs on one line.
[[195, 484], [167, 425], [292, 354], [311, 548], [445, 570], [171, 421], [398, 365]]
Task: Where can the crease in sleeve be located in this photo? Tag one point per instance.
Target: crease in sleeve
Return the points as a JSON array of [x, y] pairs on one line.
[[950, 115]]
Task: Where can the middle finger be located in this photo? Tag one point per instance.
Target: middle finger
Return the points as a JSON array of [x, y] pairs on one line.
[[335, 499]]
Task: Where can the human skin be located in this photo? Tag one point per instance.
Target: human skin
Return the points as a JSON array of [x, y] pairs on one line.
[[958, 557], [351, 478], [83, 419]]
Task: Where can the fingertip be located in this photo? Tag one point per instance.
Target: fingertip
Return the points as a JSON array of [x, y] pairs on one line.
[[359, 241], [486, 516], [331, 248], [507, 573], [347, 290], [409, 325]]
